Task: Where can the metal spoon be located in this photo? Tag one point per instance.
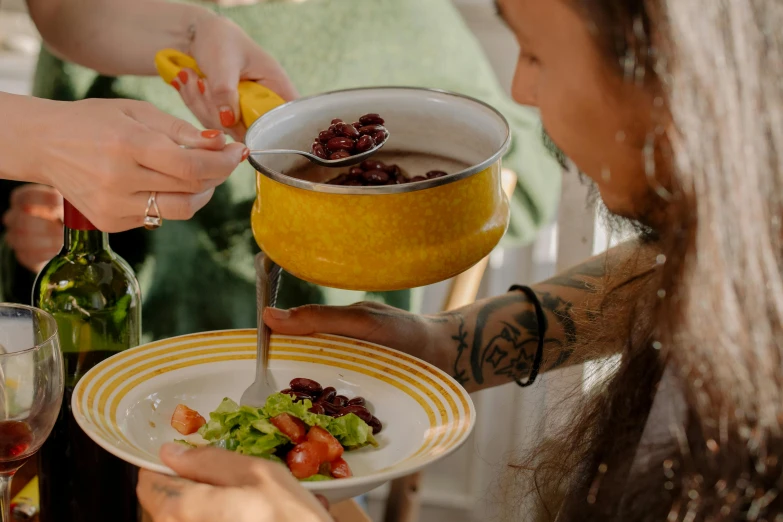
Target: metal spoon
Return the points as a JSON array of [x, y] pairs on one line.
[[344, 162], [267, 282]]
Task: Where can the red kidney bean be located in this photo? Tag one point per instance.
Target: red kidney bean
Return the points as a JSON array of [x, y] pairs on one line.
[[319, 150], [418, 178], [379, 137], [287, 391], [325, 136], [359, 411], [340, 401], [336, 144], [372, 165], [357, 401], [371, 129], [328, 395], [341, 138], [436, 174], [371, 119], [393, 170], [307, 386], [364, 143], [330, 409], [301, 396], [376, 177], [376, 425], [318, 409], [348, 131], [356, 171]]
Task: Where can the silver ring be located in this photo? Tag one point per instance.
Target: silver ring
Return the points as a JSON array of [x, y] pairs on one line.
[[151, 222]]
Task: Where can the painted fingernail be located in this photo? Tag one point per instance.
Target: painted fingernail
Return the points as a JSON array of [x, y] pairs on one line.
[[226, 117], [176, 84], [211, 133], [245, 154], [276, 313], [183, 77], [201, 87]]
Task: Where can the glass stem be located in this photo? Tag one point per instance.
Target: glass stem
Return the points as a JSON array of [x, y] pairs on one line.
[[5, 497]]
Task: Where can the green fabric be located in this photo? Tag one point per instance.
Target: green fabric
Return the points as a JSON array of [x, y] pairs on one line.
[[198, 275]]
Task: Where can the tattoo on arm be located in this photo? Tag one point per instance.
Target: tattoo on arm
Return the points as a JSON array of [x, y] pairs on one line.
[[510, 352]]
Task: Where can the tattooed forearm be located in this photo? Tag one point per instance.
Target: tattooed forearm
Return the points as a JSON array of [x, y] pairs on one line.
[[500, 342], [496, 339]]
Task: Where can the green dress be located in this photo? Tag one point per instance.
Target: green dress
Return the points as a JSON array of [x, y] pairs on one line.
[[198, 275]]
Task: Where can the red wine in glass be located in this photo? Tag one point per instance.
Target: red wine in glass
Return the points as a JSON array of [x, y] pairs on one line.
[[16, 439], [31, 389]]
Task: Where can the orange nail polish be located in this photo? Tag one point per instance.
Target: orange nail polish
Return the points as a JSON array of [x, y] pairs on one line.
[[210, 133], [245, 154], [226, 117], [175, 84], [201, 87], [183, 77]]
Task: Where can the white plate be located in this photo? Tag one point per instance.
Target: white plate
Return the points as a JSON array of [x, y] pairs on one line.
[[125, 403]]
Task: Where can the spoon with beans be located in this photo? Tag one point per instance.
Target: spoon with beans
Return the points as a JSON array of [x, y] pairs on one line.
[[343, 144]]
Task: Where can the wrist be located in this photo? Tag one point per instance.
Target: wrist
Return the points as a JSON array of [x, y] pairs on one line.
[[20, 141]]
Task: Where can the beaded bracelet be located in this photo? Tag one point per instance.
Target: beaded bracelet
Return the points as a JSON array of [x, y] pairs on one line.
[[543, 325]]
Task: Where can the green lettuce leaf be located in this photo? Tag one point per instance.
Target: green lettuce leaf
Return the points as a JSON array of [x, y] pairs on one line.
[[316, 478], [351, 431], [249, 431]]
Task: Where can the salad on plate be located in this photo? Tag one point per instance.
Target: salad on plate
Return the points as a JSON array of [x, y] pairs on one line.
[[306, 427]]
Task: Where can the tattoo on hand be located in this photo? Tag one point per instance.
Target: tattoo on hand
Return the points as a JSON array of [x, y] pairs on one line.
[[167, 491]]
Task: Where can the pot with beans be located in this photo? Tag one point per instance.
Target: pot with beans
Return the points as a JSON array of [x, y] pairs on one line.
[[430, 200]]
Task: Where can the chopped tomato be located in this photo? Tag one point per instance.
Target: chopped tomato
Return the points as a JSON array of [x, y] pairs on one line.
[[340, 469], [334, 450], [304, 460], [290, 426], [186, 421]]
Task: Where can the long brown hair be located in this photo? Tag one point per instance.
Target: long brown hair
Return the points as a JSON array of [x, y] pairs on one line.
[[712, 314]]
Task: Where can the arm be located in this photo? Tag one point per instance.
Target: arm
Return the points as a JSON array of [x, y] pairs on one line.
[[494, 341], [116, 36]]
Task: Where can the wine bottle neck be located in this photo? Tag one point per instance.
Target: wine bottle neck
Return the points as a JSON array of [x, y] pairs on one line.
[[81, 236], [85, 241]]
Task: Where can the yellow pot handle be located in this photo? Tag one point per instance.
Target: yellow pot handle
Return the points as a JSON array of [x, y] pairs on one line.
[[255, 100]]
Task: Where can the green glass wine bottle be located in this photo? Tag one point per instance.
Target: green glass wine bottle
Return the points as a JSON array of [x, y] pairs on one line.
[[94, 296]]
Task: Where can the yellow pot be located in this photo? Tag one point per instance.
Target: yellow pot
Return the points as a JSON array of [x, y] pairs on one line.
[[387, 237]]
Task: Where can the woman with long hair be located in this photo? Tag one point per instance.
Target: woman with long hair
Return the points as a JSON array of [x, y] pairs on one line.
[[673, 109]]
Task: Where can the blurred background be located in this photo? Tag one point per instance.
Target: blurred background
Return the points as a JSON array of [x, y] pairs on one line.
[[467, 486]]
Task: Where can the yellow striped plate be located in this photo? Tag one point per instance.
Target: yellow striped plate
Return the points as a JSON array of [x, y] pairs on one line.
[[125, 403]]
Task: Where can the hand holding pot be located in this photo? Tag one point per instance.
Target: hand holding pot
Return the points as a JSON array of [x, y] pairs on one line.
[[226, 55]]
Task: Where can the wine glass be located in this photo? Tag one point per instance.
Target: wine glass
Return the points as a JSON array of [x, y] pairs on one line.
[[31, 389]]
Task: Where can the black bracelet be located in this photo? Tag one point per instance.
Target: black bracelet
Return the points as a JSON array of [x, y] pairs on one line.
[[543, 325]]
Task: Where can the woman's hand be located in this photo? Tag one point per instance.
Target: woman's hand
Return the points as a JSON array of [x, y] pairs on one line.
[[34, 226], [425, 337], [107, 156], [226, 55], [216, 485]]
